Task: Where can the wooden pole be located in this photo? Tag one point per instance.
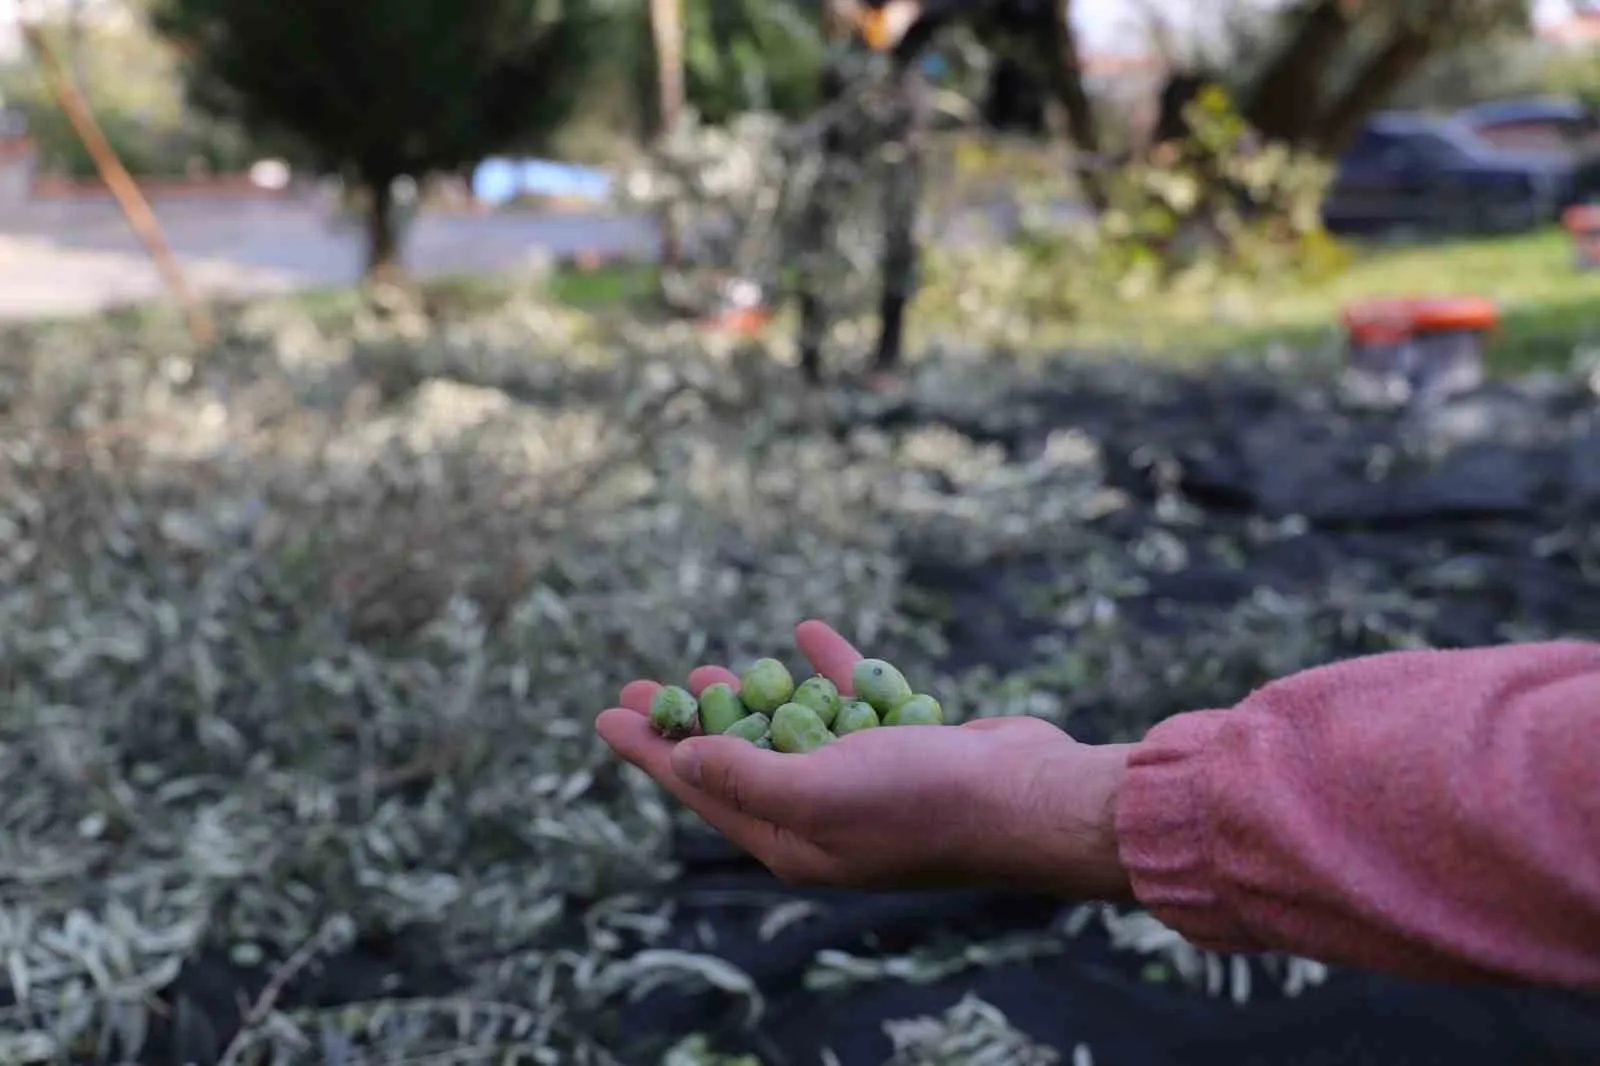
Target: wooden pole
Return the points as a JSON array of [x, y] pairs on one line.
[[135, 208], [666, 26]]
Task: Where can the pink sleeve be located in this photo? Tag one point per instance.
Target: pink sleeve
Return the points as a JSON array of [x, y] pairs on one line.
[[1433, 814]]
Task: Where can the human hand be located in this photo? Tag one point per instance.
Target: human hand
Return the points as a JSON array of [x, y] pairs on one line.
[[1010, 803]]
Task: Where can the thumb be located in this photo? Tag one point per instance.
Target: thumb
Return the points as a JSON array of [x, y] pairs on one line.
[[751, 780]]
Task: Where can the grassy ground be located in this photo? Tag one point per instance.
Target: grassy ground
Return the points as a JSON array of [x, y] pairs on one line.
[[1548, 307]]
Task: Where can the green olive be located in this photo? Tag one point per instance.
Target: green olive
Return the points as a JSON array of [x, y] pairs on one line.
[[720, 707], [757, 729], [918, 710], [674, 712], [766, 686], [821, 695], [797, 729], [880, 684], [855, 716]]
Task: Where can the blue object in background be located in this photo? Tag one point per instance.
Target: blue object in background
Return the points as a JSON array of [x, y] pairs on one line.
[[1408, 169], [500, 180]]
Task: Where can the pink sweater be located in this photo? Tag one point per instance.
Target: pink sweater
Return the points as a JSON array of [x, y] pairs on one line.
[[1435, 814]]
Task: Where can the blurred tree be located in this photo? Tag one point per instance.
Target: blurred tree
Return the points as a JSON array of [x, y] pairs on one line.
[[744, 55], [379, 90], [137, 96], [738, 56], [741, 55], [1310, 73]]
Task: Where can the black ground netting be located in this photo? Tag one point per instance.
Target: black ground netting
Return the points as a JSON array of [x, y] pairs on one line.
[[1140, 545], [1095, 996], [1089, 995], [1486, 514]]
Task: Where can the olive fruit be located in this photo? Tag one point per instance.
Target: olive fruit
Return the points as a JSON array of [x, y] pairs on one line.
[[918, 710], [674, 712], [766, 686], [880, 684], [756, 728], [855, 716], [720, 707], [821, 695], [797, 729]]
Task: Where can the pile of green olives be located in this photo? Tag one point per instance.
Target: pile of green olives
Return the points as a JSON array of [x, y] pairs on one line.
[[770, 711]]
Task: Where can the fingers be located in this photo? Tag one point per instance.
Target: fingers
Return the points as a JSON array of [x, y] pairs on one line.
[[830, 654], [720, 801], [631, 736], [703, 677], [636, 695], [755, 782]]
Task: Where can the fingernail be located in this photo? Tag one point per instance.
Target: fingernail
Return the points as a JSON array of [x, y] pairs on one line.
[[686, 764]]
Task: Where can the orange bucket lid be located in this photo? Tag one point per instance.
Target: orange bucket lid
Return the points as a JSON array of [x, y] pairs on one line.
[[1393, 319], [1436, 313], [1378, 321]]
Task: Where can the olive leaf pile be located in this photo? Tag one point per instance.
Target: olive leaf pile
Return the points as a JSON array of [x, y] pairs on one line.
[[302, 637]]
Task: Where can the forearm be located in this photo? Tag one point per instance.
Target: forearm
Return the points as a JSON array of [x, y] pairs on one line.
[[1424, 813]]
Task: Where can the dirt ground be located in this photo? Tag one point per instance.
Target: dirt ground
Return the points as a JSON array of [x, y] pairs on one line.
[[63, 258]]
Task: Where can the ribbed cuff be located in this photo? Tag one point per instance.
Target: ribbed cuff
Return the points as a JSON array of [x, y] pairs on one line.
[[1164, 833]]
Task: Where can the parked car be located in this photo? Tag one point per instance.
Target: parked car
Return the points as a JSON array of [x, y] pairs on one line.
[[1419, 172], [1534, 124]]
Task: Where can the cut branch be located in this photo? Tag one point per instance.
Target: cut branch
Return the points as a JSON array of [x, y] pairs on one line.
[[135, 208]]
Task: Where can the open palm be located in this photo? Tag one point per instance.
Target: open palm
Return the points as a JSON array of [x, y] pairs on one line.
[[1007, 802]]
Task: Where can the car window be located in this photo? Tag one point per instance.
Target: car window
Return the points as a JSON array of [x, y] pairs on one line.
[[1370, 147], [1551, 135], [1430, 149]]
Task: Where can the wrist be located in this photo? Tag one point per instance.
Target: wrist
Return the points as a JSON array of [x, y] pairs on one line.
[[1078, 852], [1107, 877]]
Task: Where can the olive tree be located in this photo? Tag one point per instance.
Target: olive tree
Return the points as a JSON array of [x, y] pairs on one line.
[[379, 90], [1309, 73]]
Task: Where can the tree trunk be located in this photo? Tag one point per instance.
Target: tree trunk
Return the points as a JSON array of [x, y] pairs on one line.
[[1283, 102], [1341, 120], [383, 238], [1064, 63], [1172, 118], [666, 27]]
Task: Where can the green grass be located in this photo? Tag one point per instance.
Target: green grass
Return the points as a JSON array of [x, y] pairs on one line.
[[1548, 307], [604, 286]]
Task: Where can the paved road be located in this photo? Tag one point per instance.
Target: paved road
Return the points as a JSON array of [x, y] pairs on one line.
[[64, 258], [67, 258]]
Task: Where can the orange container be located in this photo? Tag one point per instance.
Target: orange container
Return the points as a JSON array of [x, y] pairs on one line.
[[1454, 314], [1378, 321], [738, 321], [1420, 346]]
